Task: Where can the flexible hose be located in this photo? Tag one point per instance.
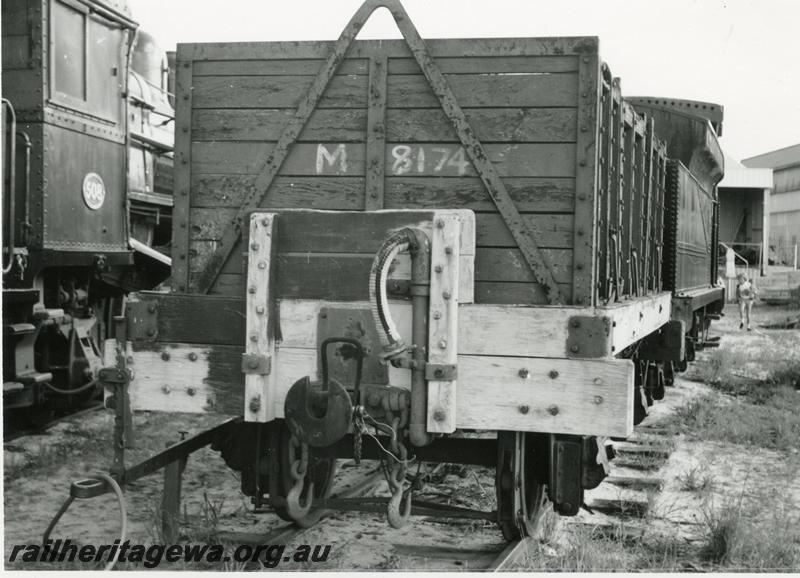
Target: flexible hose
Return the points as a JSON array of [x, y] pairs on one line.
[[390, 337], [123, 511], [80, 389]]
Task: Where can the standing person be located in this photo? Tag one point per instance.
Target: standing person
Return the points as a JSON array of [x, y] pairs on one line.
[[745, 296]]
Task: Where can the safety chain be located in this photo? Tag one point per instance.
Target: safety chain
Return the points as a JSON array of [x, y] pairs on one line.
[[298, 467]]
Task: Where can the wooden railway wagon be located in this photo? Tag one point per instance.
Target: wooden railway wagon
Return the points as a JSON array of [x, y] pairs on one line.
[[416, 238]]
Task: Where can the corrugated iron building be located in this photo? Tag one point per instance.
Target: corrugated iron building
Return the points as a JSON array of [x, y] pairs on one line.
[[784, 202]]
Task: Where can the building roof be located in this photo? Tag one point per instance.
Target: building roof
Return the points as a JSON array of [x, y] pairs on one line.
[[777, 159], [738, 176]]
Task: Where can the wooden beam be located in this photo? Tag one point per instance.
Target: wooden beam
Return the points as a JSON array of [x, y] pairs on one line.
[[443, 322], [569, 396]]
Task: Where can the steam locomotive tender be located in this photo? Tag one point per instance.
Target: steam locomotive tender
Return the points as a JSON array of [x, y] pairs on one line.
[[87, 170], [472, 251]]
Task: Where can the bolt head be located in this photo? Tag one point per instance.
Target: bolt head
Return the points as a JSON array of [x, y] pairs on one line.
[[255, 404], [260, 310], [440, 224], [446, 295], [574, 349], [448, 250], [254, 246], [191, 391], [437, 315], [192, 356], [262, 264], [151, 332], [439, 415], [443, 344], [152, 309], [552, 410], [251, 289], [439, 373], [254, 337], [524, 373], [253, 364], [523, 409], [576, 323], [165, 388], [553, 374], [598, 399], [165, 356], [438, 268]]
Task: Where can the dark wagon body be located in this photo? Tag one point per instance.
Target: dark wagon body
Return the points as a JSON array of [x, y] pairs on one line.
[[508, 245]]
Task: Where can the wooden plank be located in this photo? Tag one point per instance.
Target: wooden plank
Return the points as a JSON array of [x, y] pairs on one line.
[[493, 264], [322, 232], [530, 194], [586, 155], [637, 318], [376, 133], [183, 154], [450, 65], [404, 91], [187, 378], [480, 47], [259, 387], [332, 193], [420, 125], [348, 159], [443, 320], [585, 398], [512, 293]]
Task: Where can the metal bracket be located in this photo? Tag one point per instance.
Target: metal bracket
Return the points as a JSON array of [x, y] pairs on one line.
[[142, 320], [588, 337], [113, 375], [256, 364], [441, 372]]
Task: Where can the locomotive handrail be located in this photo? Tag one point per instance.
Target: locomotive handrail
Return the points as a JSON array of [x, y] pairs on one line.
[[26, 223], [12, 182]]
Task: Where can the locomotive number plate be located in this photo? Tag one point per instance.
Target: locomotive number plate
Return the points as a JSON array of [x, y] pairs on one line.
[[94, 191]]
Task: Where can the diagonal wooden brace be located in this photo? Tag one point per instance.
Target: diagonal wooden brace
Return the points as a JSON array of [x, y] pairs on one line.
[[522, 231]]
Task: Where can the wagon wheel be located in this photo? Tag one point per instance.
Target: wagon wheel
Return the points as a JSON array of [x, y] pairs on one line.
[[520, 495], [320, 470]]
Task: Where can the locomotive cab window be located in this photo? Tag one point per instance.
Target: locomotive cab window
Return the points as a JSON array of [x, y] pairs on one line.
[[86, 58]]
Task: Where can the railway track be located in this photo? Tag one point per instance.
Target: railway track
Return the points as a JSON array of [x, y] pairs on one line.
[[14, 432]]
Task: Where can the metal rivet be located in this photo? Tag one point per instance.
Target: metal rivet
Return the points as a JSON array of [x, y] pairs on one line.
[[191, 391], [524, 373], [151, 332], [574, 349], [265, 222], [192, 356], [255, 404], [598, 399], [443, 344], [437, 315], [446, 295], [260, 310], [439, 415], [438, 373], [262, 264], [251, 289], [253, 364], [165, 389], [524, 409], [254, 246], [438, 268], [254, 337], [448, 250], [598, 381], [552, 410], [553, 374], [440, 224], [129, 359], [165, 356]]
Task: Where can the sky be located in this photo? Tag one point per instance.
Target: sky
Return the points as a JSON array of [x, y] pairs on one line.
[[742, 54]]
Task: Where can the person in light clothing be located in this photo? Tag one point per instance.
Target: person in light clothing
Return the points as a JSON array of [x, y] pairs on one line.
[[745, 296]]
